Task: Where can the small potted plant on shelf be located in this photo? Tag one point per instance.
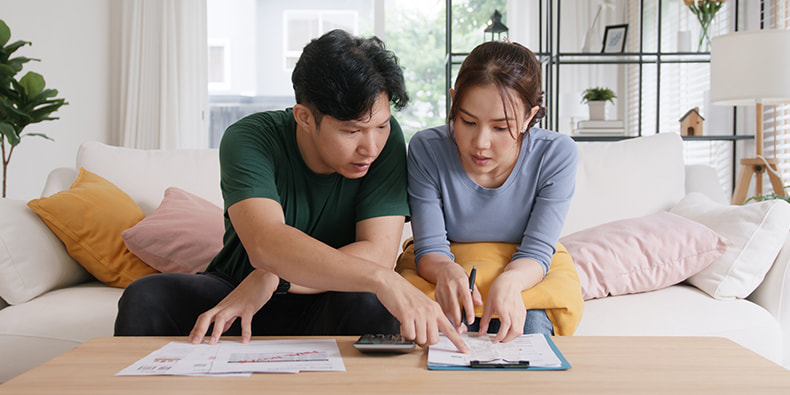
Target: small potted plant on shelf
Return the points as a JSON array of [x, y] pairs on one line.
[[596, 99]]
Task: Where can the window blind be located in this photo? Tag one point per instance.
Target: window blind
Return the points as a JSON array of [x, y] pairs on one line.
[[776, 119], [669, 92]]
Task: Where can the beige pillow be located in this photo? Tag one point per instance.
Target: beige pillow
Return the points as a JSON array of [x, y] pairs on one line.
[[89, 218], [32, 260], [756, 231]]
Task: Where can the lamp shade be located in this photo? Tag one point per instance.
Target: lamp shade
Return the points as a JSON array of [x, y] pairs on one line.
[[750, 67]]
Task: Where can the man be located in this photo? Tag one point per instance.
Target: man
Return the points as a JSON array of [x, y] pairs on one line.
[[315, 200]]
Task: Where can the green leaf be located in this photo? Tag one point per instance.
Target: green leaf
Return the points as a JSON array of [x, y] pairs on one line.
[[9, 110], [11, 48], [42, 135], [5, 33], [6, 70], [42, 114], [33, 83], [17, 62], [43, 96], [9, 132]]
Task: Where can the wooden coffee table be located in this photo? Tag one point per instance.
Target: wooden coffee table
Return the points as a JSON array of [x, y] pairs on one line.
[[605, 365]]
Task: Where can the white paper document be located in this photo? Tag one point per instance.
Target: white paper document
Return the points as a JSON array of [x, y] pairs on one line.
[[533, 348], [230, 357]]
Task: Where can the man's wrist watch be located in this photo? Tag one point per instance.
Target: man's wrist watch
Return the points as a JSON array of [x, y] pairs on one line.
[[283, 287]]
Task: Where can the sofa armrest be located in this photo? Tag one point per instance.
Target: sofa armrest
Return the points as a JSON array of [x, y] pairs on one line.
[[773, 294], [58, 180]]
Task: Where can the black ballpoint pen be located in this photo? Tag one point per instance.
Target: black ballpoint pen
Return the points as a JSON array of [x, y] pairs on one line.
[[472, 275]]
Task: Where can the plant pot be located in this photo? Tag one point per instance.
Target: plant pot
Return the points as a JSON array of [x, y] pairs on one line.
[[597, 110]]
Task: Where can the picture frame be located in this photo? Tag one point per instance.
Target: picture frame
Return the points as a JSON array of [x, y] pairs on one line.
[[614, 39]]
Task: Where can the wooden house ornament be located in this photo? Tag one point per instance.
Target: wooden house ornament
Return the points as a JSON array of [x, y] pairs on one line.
[[691, 123]]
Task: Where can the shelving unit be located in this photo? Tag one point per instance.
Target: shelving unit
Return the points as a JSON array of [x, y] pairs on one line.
[[554, 60]]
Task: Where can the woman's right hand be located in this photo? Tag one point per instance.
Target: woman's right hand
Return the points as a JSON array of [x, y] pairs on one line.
[[452, 286]]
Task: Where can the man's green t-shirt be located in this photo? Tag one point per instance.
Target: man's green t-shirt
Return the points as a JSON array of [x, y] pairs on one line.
[[259, 158]]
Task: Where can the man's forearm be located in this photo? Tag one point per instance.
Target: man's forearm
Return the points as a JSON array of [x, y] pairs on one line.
[[302, 260]]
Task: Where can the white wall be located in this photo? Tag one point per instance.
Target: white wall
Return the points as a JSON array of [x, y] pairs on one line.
[[73, 40]]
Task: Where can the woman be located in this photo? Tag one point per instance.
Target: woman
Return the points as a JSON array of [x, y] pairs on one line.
[[492, 191]]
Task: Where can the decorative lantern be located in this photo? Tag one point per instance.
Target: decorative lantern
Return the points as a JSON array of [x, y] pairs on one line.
[[495, 27]]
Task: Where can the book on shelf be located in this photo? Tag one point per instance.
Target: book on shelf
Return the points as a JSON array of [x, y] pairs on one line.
[[601, 124], [600, 132]]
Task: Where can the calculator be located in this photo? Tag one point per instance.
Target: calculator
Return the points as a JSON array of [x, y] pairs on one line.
[[384, 344]]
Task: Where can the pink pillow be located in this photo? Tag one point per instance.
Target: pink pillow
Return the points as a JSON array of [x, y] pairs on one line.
[[182, 235], [641, 254]]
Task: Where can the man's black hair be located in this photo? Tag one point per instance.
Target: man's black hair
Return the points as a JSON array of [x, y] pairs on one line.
[[342, 76]]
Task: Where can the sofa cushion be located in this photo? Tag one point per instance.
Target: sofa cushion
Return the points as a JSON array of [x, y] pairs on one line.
[[32, 259], [89, 218], [182, 235], [146, 174], [35, 332], [757, 232], [641, 254], [626, 179], [683, 310]]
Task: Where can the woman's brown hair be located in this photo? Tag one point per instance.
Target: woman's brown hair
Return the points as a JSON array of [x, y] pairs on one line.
[[506, 65]]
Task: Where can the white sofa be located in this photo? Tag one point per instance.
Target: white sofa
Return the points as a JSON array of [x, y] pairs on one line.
[[52, 305]]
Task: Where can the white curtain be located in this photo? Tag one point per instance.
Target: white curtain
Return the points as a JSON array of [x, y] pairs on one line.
[[164, 83]]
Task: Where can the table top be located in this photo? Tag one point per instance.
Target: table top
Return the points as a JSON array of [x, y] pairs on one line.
[[606, 365]]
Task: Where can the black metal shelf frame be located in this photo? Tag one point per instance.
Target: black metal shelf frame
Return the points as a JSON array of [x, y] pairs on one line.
[[549, 33]]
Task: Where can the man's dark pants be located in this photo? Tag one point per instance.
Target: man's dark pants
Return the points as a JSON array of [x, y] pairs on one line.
[[168, 305]]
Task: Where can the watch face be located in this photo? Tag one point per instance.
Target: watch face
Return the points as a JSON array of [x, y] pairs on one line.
[[283, 287]]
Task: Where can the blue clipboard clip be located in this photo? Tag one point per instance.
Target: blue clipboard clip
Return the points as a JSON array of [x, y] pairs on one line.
[[498, 364]]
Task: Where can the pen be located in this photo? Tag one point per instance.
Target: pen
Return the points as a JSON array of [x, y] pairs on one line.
[[472, 275]]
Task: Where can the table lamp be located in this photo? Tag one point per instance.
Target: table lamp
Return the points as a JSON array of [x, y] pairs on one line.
[[752, 68]]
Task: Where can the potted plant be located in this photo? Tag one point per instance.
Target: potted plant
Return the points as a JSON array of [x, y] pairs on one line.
[[22, 102], [596, 99], [770, 196]]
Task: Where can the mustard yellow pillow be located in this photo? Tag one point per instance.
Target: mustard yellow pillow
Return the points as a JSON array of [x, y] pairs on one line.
[[89, 218]]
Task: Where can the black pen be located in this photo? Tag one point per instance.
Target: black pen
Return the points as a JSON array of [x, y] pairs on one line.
[[472, 275]]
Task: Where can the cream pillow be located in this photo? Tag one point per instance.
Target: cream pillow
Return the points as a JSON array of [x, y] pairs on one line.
[[89, 218], [756, 231], [32, 260]]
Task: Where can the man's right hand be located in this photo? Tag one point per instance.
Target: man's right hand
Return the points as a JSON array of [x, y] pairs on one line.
[[243, 302], [420, 317]]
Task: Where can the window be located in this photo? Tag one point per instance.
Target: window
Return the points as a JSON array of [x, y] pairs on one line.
[[218, 65], [267, 38], [776, 119], [300, 26], [682, 86]]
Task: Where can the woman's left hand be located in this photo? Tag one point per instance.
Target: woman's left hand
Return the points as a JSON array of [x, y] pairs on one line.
[[504, 299]]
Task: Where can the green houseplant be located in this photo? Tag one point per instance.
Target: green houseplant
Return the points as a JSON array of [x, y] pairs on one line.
[[596, 99], [598, 94], [23, 101], [769, 196]]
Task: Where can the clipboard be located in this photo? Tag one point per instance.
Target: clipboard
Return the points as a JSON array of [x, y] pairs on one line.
[[521, 364]]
